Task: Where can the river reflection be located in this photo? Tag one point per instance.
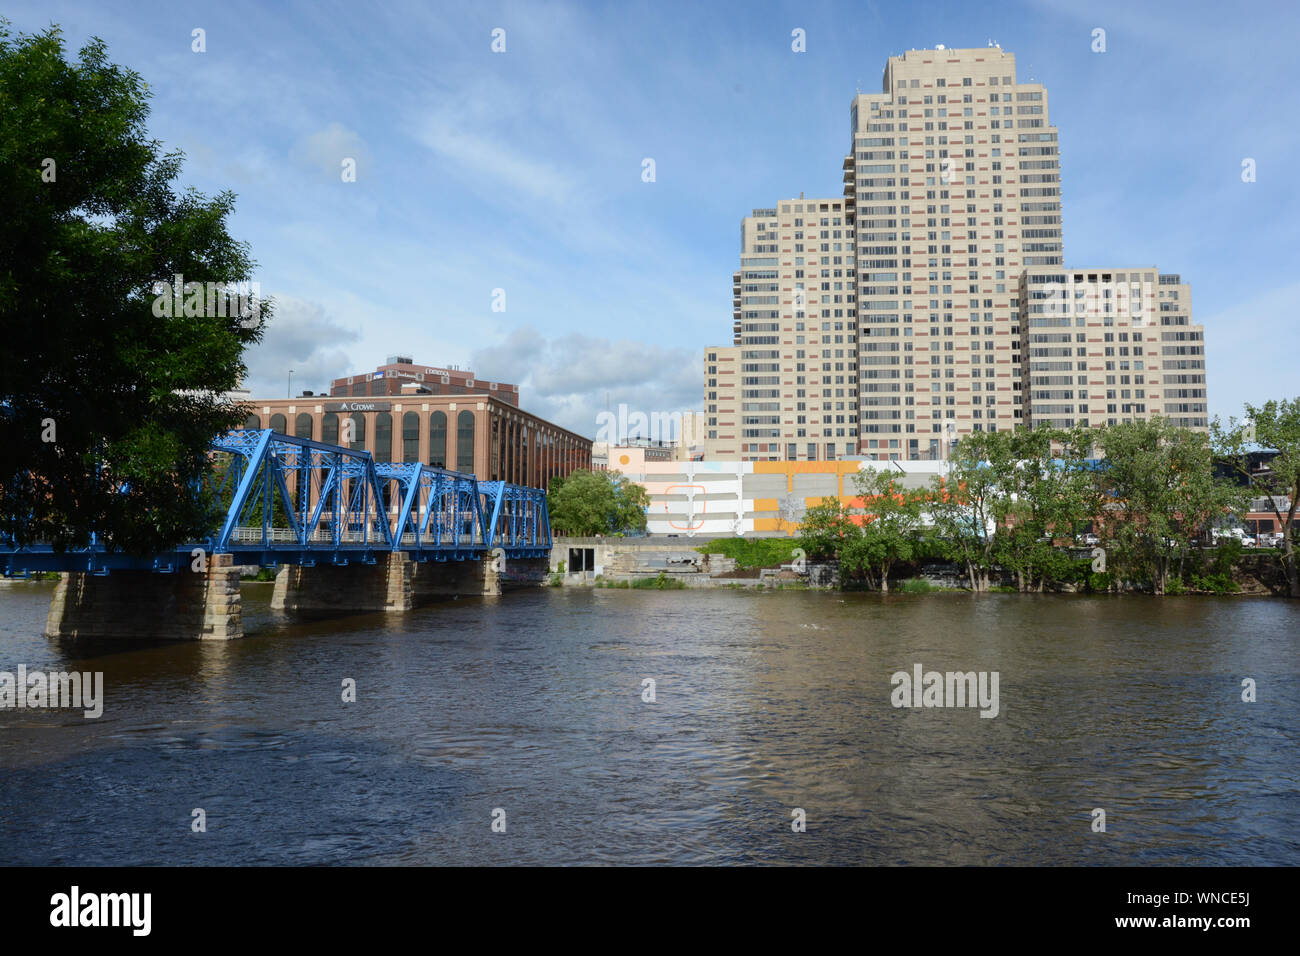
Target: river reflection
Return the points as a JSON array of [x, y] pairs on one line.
[[764, 702]]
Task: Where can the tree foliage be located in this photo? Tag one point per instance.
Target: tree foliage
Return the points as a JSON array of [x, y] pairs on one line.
[[1013, 503], [106, 409], [1273, 426], [890, 530], [597, 502], [1162, 493], [827, 529], [963, 503]]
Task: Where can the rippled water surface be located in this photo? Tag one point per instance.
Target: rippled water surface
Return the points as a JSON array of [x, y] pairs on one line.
[[765, 702]]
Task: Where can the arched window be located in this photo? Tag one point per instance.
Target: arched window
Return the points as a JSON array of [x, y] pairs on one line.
[[358, 431], [383, 437], [438, 439], [279, 425], [253, 422], [329, 428], [302, 426], [410, 437], [523, 453], [495, 467], [465, 441]]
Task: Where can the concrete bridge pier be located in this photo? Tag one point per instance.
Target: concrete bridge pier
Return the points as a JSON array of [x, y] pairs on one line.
[[147, 605], [488, 575], [386, 585]]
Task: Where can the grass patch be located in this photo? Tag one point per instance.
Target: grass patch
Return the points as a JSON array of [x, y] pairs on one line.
[[753, 552], [661, 583], [915, 586]]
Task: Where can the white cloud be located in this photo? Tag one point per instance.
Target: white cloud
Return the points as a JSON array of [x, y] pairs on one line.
[[299, 336], [570, 379], [326, 149]]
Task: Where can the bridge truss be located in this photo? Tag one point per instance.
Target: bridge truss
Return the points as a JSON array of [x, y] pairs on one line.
[[288, 500]]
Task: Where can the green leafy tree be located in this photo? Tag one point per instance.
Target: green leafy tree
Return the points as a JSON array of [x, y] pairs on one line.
[[828, 529], [1043, 485], [106, 409], [963, 504], [891, 527], [632, 503], [1163, 492], [597, 502], [1273, 426]]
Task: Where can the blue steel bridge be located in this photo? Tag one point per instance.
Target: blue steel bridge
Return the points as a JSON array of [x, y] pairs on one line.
[[293, 501]]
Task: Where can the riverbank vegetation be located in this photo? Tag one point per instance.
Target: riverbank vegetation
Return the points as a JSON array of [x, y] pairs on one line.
[[1130, 507], [752, 553]]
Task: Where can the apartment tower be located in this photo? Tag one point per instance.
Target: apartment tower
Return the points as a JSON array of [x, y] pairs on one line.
[[786, 390], [954, 178], [892, 322]]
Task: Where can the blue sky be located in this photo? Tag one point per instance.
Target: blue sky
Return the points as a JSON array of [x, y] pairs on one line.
[[522, 170]]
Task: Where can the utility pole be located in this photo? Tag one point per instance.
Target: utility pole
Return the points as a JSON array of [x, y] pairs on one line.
[[288, 392]]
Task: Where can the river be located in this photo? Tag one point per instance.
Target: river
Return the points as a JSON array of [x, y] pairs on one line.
[[764, 703]]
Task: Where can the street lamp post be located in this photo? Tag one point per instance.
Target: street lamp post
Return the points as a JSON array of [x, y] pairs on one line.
[[289, 388]]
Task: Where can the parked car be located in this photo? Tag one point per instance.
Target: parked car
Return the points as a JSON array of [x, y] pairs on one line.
[[1089, 539]]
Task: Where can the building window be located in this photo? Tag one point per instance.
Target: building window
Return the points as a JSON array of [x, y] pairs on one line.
[[383, 437], [253, 422], [465, 441], [279, 425], [438, 440], [329, 429], [358, 431], [410, 437], [302, 426]]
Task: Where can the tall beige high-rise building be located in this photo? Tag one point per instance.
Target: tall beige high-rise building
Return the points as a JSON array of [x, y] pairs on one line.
[[955, 178], [892, 322], [787, 389]]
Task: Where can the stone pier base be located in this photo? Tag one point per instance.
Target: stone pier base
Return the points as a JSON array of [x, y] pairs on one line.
[[486, 576], [396, 583], [145, 605], [382, 586]]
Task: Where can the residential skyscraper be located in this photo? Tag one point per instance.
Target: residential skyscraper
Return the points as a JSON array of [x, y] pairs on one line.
[[955, 182], [787, 389], [892, 322]]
